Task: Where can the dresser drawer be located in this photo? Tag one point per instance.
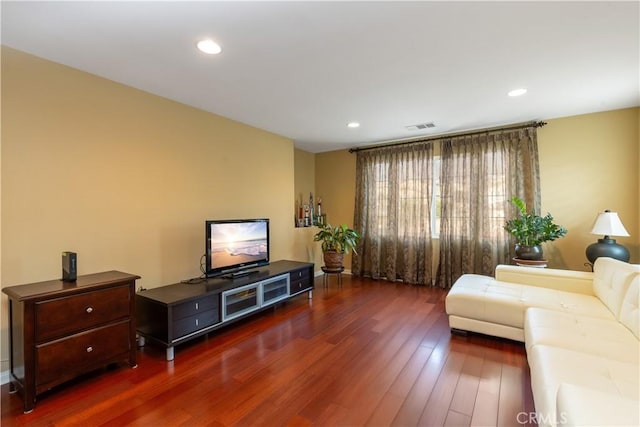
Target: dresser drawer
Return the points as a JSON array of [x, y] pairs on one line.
[[190, 308], [64, 316], [81, 352], [185, 326]]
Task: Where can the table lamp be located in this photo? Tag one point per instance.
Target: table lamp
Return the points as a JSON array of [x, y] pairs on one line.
[[608, 224]]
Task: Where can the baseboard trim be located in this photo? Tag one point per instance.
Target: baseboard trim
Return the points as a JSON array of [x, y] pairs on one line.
[[4, 377]]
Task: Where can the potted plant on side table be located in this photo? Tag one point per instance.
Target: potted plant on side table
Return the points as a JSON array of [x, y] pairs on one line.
[[530, 230], [336, 241]]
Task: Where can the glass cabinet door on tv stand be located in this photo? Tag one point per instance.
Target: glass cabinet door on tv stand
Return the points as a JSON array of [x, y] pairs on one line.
[[239, 301], [245, 299], [275, 289]]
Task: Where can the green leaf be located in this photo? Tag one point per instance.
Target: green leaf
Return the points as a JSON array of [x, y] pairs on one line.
[[530, 229], [339, 238]]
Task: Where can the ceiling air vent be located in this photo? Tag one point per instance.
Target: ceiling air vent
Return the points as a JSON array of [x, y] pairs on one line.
[[421, 126]]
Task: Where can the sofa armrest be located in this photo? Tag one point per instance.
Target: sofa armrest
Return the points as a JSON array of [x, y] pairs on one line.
[[580, 282]]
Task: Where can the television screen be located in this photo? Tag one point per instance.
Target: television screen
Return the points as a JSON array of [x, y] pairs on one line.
[[236, 245]]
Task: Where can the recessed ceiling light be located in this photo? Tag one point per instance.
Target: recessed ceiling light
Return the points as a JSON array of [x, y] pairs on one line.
[[353, 124], [209, 46], [517, 92]]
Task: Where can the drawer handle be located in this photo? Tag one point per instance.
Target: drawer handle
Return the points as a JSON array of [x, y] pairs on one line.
[[89, 349], [89, 309], [197, 306]]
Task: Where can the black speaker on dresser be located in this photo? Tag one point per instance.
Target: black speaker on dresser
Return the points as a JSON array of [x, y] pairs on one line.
[[69, 266]]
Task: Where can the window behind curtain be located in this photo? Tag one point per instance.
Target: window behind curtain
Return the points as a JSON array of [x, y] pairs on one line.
[[394, 198], [405, 196], [479, 175]]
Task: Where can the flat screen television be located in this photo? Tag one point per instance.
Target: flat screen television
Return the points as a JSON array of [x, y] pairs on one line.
[[235, 246]]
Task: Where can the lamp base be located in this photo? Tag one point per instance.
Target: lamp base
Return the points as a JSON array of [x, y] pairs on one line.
[[607, 248]]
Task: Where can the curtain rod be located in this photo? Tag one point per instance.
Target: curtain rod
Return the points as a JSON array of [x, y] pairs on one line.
[[535, 124]]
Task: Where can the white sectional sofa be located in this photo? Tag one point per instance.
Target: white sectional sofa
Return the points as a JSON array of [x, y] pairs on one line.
[[581, 331]]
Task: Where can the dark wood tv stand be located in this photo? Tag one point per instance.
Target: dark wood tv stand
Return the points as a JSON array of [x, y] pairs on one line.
[[173, 314]]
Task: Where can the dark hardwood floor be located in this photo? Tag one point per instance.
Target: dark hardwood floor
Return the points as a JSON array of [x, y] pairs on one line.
[[370, 353]]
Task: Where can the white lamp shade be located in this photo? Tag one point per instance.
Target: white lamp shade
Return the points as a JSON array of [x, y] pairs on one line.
[[609, 224]]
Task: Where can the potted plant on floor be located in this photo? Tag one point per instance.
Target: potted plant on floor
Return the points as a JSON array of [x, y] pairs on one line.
[[336, 241], [530, 230]]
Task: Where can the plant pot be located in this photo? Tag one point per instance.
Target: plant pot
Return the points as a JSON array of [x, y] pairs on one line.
[[333, 259], [532, 253]]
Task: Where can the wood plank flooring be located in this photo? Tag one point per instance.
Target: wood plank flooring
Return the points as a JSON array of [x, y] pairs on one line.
[[371, 353]]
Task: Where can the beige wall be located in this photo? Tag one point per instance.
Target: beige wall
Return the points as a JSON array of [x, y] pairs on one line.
[[588, 163], [336, 184], [304, 183], [124, 178]]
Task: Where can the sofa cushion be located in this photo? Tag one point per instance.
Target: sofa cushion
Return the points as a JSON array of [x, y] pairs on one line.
[[484, 298], [611, 281], [552, 366], [596, 336], [630, 311], [579, 406]]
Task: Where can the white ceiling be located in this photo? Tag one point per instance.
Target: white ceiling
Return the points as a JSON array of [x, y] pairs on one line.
[[305, 69]]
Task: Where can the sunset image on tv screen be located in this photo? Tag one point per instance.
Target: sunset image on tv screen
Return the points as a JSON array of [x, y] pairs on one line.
[[238, 243]]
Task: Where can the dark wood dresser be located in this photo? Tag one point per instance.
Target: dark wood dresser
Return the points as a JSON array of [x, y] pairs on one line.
[[59, 330]]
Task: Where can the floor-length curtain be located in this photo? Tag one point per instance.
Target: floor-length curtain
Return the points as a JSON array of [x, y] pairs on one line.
[[479, 175], [393, 213]]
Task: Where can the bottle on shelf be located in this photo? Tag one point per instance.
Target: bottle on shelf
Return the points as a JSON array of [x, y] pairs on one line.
[[307, 218]]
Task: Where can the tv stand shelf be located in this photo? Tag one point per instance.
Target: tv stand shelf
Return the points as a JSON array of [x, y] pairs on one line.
[[173, 314]]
